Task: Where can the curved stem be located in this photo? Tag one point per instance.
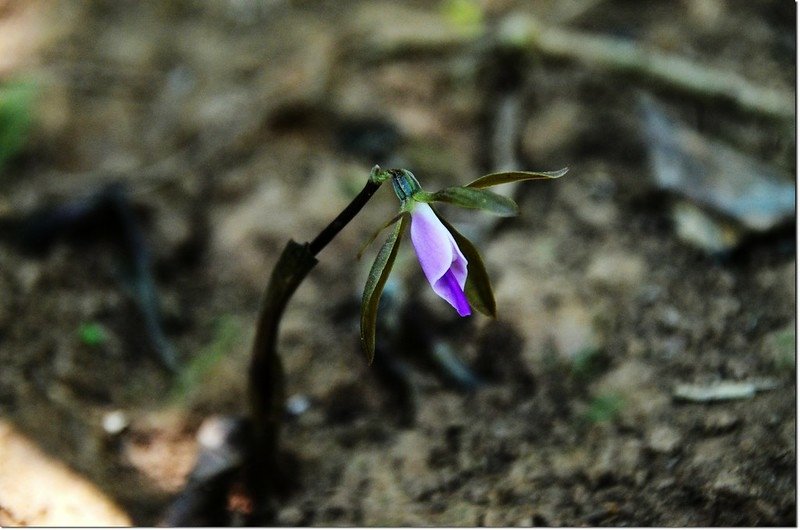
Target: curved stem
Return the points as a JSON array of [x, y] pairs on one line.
[[266, 378], [343, 218]]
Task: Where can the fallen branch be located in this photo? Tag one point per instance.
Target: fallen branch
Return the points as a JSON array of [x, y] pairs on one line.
[[722, 390], [624, 56], [525, 33]]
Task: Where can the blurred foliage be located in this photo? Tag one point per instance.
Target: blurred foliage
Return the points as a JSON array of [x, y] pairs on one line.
[[783, 345], [16, 117], [227, 332], [92, 334], [466, 15], [588, 363], [604, 408]]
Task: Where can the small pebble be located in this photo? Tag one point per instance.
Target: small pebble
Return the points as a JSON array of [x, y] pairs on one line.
[[298, 404], [290, 516], [729, 482], [616, 270], [115, 422], [663, 439], [670, 317], [719, 422]]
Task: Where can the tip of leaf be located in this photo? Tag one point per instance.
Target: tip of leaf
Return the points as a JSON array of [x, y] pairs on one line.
[[504, 177], [484, 309], [368, 351]]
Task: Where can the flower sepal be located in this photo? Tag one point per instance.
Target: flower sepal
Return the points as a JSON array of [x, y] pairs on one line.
[[376, 280], [477, 199], [478, 287], [504, 177]]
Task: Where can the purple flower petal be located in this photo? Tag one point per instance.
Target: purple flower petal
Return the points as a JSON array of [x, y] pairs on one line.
[[442, 262], [453, 293]]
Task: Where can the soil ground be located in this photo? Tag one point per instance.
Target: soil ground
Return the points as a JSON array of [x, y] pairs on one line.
[[603, 309]]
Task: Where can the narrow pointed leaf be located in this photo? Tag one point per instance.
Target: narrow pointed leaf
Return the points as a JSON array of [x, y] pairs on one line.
[[478, 199], [374, 287], [504, 177], [374, 236], [478, 287]]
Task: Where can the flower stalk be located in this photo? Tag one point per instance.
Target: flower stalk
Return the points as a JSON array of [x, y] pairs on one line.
[[450, 263], [266, 377]]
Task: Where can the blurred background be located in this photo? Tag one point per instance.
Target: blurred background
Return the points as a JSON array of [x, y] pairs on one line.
[[155, 157]]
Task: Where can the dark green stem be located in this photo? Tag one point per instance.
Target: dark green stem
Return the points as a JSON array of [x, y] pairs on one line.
[[343, 218], [266, 379]]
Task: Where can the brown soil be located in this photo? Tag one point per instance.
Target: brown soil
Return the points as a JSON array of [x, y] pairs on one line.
[[602, 309]]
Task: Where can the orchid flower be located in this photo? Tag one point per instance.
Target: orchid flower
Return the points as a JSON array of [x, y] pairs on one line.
[[442, 261], [449, 261]]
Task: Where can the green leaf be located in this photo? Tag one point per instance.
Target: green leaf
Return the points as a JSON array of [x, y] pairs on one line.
[[374, 287], [374, 236], [478, 287], [504, 177], [478, 199]]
